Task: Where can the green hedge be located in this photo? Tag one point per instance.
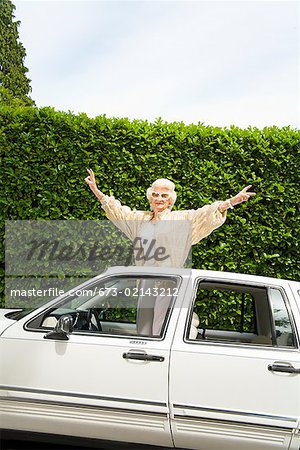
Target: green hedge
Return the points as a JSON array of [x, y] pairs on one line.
[[46, 154]]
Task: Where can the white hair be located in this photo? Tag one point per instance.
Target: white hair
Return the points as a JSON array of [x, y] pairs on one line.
[[163, 182]]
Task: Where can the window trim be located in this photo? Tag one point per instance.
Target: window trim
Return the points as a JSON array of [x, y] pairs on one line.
[[90, 285], [290, 315], [187, 327]]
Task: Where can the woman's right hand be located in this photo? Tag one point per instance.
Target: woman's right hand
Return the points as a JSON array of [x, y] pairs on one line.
[[91, 181]]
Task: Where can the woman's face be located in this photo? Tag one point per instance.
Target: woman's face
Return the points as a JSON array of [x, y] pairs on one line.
[[160, 199]]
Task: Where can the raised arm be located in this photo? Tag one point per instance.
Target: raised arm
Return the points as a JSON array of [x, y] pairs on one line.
[[241, 197], [210, 217], [120, 215], [91, 181]]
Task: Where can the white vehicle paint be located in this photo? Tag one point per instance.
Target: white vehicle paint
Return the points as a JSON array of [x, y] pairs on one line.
[[220, 388]]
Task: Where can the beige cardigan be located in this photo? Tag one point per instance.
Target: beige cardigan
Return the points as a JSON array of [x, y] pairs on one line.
[[175, 232]]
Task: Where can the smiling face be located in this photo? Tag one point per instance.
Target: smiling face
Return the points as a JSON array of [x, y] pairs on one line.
[[160, 199]]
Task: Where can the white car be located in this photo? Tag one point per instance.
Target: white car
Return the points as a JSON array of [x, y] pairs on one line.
[[223, 372]]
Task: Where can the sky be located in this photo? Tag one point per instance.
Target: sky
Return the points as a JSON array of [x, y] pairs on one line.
[[220, 63]]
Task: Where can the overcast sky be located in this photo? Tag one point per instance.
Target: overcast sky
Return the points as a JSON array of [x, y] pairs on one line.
[[216, 62]]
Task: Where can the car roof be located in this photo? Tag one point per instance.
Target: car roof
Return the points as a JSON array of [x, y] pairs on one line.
[[200, 273]]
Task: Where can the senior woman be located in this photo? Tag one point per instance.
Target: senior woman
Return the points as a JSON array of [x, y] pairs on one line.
[[163, 237], [177, 230]]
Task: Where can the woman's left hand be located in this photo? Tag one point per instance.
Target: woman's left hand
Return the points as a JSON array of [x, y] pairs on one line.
[[242, 196]]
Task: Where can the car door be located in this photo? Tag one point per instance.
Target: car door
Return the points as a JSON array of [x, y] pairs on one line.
[[235, 367], [105, 380]]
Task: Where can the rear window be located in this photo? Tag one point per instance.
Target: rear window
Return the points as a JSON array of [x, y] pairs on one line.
[[240, 314]]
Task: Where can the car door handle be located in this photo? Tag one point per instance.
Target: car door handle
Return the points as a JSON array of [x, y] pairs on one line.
[[283, 367], [142, 356]]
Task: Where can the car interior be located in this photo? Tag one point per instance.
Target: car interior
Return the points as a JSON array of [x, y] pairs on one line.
[[240, 314], [114, 307]]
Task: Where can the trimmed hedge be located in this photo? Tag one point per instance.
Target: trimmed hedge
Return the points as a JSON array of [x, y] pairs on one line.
[[46, 154]]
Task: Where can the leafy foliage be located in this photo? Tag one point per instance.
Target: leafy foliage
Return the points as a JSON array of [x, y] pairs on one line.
[[14, 83], [225, 310], [46, 154]]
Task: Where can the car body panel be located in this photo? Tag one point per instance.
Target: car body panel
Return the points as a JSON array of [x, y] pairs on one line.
[[202, 395], [216, 388]]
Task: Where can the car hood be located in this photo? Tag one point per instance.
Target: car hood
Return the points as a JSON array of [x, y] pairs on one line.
[[5, 322]]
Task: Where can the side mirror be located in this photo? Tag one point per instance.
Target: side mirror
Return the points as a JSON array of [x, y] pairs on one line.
[[62, 329]]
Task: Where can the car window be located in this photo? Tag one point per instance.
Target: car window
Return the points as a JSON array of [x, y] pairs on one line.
[[282, 323], [116, 305], [240, 314]]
